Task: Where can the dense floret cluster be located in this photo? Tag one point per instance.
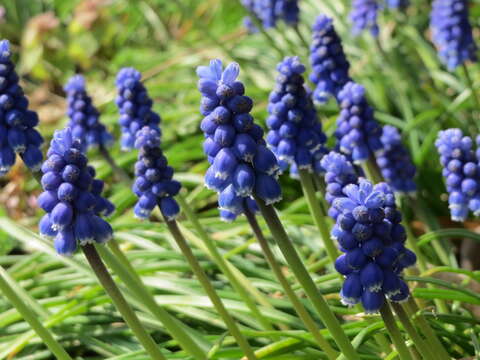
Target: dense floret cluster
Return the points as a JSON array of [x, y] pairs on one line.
[[397, 4], [358, 133], [452, 32], [153, 184], [17, 123], [240, 163], [295, 135], [135, 106], [369, 232], [330, 66], [395, 162], [461, 172], [84, 117], [269, 12], [72, 197], [363, 16]]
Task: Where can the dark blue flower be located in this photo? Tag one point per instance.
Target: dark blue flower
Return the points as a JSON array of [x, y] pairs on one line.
[[398, 4], [135, 106], [240, 163], [395, 162], [17, 123], [84, 117], [369, 232], [358, 133], [269, 12], [330, 66], [153, 185], [363, 16], [72, 197], [452, 32], [295, 135]]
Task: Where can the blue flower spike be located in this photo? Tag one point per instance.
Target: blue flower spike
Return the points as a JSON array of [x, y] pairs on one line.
[[240, 163], [369, 232], [269, 12], [363, 16], [17, 124], [72, 197], [135, 107]]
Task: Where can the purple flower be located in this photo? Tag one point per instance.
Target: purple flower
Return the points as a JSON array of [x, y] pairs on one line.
[[358, 133], [363, 16], [135, 106], [395, 162], [271, 11], [330, 66], [295, 135], [452, 32], [398, 4], [240, 163], [369, 231], [17, 123], [72, 197]]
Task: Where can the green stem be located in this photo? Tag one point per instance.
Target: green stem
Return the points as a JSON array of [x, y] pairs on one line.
[[117, 170], [302, 38], [317, 214], [301, 273], [122, 267], [222, 263], [372, 171], [420, 343], [209, 289], [319, 182], [428, 332], [32, 318], [120, 303], [297, 304], [476, 97], [394, 332]]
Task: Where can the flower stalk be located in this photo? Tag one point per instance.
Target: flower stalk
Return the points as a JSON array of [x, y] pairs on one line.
[[394, 332]]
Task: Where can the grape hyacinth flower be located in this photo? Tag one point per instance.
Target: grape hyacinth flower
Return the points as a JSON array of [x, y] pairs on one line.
[[240, 163], [295, 135], [135, 106], [461, 172], [71, 197], [452, 32], [398, 4], [369, 232], [153, 185], [395, 162], [339, 172], [17, 123], [269, 12], [84, 117], [363, 16], [330, 66], [358, 133]]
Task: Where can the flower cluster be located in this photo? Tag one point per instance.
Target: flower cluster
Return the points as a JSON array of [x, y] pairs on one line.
[[269, 12], [153, 184], [17, 123], [398, 4], [135, 106], [363, 16], [330, 66], [395, 162], [358, 133], [240, 163], [452, 32], [372, 238], [339, 172], [72, 197], [84, 117], [295, 135], [461, 172]]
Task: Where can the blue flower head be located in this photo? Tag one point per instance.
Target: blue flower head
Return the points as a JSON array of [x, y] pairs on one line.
[[452, 32], [461, 172], [17, 123], [84, 117], [240, 163], [330, 66], [153, 185], [369, 232], [72, 197], [135, 106], [358, 133], [271, 11], [363, 16], [295, 135], [395, 162], [398, 4]]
